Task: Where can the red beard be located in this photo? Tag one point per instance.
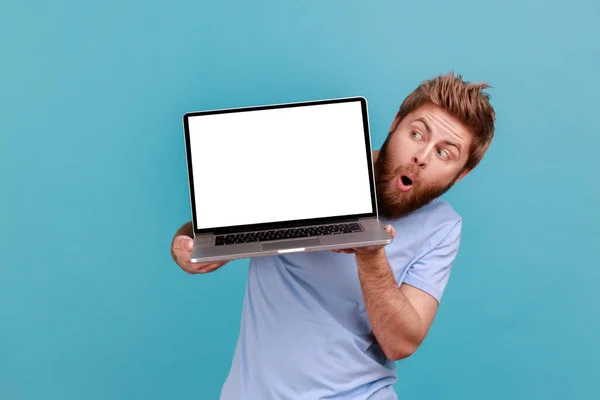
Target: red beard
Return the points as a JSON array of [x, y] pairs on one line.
[[393, 203]]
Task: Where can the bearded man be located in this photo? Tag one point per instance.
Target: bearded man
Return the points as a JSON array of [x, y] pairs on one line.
[[327, 325]]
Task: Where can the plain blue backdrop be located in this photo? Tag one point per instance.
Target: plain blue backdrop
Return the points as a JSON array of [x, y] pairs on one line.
[[94, 186]]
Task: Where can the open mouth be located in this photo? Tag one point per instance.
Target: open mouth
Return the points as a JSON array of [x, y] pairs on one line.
[[406, 180], [405, 183]]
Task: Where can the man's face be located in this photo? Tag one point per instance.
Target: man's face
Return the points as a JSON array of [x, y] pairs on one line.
[[420, 160]]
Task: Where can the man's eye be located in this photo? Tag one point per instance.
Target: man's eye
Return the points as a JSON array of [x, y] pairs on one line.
[[444, 154], [417, 135]]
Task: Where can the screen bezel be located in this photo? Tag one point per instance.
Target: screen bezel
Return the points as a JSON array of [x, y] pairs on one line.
[[290, 223]]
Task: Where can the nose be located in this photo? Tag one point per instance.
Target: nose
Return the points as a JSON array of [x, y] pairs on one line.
[[420, 158]]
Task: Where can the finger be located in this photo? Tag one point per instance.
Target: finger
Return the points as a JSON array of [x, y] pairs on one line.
[[210, 267], [211, 264], [183, 258], [185, 243], [390, 230], [192, 268], [188, 267]]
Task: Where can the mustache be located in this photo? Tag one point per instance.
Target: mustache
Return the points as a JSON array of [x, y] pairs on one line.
[[387, 171], [395, 204]]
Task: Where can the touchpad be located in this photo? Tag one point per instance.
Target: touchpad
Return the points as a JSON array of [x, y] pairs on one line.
[[292, 244]]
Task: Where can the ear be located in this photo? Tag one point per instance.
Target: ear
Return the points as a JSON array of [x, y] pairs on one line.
[[395, 123]]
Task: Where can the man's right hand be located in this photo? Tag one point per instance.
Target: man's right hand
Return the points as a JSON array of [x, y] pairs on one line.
[[181, 250]]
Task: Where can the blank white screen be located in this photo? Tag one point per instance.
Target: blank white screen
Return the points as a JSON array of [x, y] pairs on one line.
[[280, 164]]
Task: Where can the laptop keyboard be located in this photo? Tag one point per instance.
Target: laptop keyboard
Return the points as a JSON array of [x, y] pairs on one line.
[[291, 233]]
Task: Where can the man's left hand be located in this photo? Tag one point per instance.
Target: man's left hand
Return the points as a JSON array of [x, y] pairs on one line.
[[370, 249]]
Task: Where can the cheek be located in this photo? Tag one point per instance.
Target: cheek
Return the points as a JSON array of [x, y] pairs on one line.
[[438, 175], [401, 149]]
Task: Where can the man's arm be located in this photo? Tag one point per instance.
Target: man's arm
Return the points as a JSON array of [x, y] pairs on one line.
[[400, 316]]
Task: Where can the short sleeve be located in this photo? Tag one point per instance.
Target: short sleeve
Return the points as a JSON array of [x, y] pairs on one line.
[[431, 271]]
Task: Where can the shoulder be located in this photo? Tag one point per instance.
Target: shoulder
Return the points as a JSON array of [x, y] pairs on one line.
[[441, 217], [444, 226], [431, 224], [438, 231], [439, 211]]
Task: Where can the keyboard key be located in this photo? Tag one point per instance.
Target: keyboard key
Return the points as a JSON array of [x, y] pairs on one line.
[[287, 233]]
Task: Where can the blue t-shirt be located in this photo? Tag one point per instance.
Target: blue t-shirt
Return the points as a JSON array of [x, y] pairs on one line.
[[305, 333]]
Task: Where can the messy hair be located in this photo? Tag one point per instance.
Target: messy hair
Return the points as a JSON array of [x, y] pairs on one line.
[[465, 101]]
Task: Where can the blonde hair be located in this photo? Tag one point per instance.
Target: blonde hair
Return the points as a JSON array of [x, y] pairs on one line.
[[465, 101]]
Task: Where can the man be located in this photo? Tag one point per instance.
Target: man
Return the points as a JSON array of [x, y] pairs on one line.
[[331, 324]]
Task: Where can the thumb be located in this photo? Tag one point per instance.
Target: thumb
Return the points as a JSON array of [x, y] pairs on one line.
[[185, 243]]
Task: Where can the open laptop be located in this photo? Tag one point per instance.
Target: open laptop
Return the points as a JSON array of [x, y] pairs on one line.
[[281, 178]]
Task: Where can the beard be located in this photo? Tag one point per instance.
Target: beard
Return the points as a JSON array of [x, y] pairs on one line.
[[393, 203]]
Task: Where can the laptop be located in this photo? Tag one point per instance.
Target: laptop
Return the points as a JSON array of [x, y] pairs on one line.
[[281, 178]]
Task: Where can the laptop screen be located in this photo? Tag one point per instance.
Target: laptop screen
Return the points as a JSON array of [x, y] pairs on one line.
[[279, 164]]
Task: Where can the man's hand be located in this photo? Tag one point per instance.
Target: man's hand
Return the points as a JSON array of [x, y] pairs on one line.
[[181, 250], [370, 249]]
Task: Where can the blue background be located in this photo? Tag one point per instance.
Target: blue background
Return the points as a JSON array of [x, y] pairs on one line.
[[94, 186]]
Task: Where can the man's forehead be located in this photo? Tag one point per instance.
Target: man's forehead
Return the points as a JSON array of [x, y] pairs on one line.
[[439, 121]]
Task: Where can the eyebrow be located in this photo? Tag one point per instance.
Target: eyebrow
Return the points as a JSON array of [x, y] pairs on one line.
[[428, 129], [422, 120]]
